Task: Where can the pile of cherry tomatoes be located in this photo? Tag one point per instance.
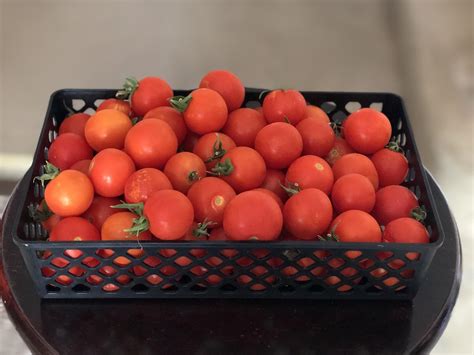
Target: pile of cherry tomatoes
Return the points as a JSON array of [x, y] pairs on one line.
[[152, 166]]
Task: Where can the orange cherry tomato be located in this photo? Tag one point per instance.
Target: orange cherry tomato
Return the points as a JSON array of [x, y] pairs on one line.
[[107, 129]]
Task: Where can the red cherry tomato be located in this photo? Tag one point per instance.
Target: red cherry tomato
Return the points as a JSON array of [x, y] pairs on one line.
[[339, 149], [151, 92], [45, 216], [67, 149], [367, 130], [393, 202], [307, 214], [169, 213], [209, 197], [274, 179], [284, 105], [116, 104], [184, 169], [318, 137], [69, 194], [243, 125], [271, 194], [355, 163], [100, 210], [405, 230], [114, 228], [392, 167], [82, 166], [353, 192], [260, 110], [252, 215], [247, 168], [228, 85], [150, 143], [212, 146], [311, 171], [356, 226], [142, 183], [171, 116], [279, 144], [190, 142], [74, 124], [109, 171], [74, 229], [107, 129], [316, 113]]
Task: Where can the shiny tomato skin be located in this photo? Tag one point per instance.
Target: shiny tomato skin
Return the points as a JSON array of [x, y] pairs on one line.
[[107, 129], [67, 149], [339, 149], [405, 230], [253, 215], [69, 194], [209, 197], [82, 166], [279, 144], [355, 163], [100, 209], [243, 125], [116, 104], [307, 214], [282, 105], [311, 171], [272, 195], [150, 143], [318, 137], [74, 124], [207, 112], [355, 226], [169, 213], [274, 179], [114, 227], [249, 169], [392, 167], [316, 113], [109, 171], [353, 192], [228, 85], [74, 229], [151, 92], [171, 116], [393, 202], [204, 147], [367, 130], [142, 183], [184, 169]]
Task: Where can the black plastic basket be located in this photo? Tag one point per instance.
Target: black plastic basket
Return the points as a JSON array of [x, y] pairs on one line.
[[281, 269]]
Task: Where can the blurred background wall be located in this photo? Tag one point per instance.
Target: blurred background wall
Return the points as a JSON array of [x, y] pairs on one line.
[[420, 49]]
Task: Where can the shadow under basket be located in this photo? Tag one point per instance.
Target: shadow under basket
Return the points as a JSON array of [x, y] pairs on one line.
[[280, 269]]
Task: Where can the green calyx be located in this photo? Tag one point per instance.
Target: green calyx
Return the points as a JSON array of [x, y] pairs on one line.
[[131, 84], [224, 168], [217, 150], [140, 224], [394, 146], [330, 237], [39, 215], [49, 173], [292, 189], [180, 103], [419, 213], [201, 231]]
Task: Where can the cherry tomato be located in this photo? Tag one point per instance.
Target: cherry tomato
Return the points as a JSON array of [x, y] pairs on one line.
[[318, 137], [271, 194], [67, 149], [228, 85], [107, 129], [311, 171], [82, 166], [356, 226], [252, 215], [355, 163], [316, 113], [209, 197], [184, 169], [116, 104], [367, 130], [405, 230], [171, 116], [74, 124], [109, 171], [150, 143], [284, 105], [243, 125], [392, 167], [307, 214], [142, 183], [100, 210], [189, 142], [393, 202], [150, 92], [114, 228], [340, 148], [279, 144], [247, 168], [353, 192], [69, 194], [274, 179], [212, 146], [169, 213], [74, 229]]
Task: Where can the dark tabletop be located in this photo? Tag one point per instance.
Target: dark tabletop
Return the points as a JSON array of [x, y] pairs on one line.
[[234, 326]]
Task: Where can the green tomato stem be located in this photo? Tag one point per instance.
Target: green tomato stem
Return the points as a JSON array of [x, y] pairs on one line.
[[180, 103]]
